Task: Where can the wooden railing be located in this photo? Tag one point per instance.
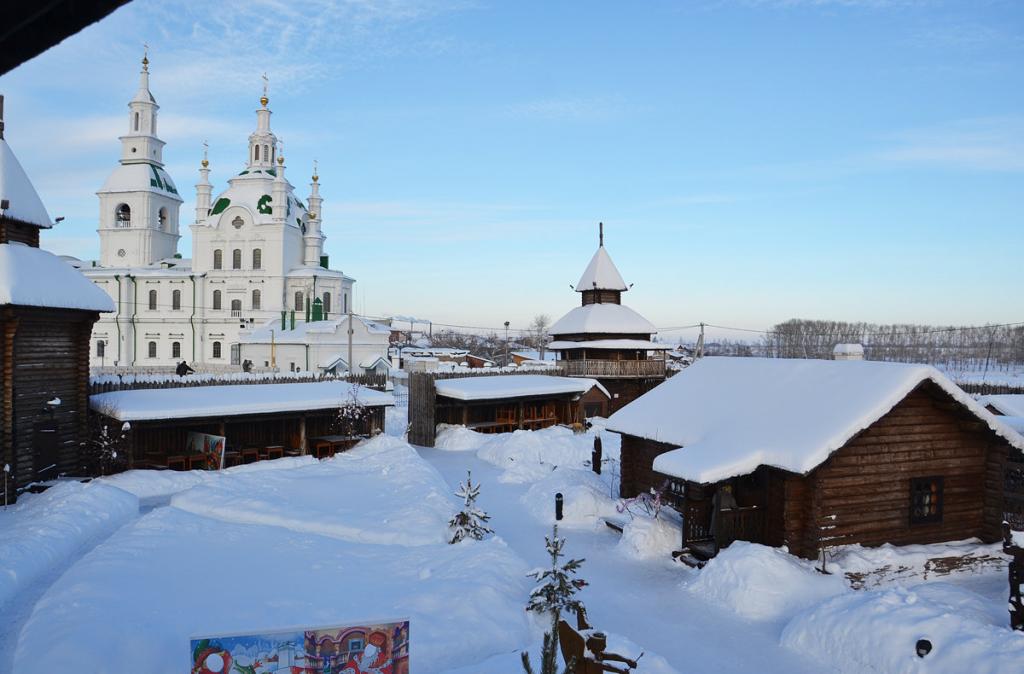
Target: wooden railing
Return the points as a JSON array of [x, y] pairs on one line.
[[613, 368], [739, 524]]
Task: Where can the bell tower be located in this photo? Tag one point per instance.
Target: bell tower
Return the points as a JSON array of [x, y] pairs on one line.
[[139, 203]]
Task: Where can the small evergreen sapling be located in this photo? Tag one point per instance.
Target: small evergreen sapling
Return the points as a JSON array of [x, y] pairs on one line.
[[557, 588], [470, 522], [549, 655]]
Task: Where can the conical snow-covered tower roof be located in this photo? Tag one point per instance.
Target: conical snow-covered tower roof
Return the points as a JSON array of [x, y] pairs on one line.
[[23, 202], [601, 273]]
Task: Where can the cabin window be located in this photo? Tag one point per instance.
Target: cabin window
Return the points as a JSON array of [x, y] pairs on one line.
[[175, 349], [176, 300], [255, 299], [101, 349], [152, 300], [327, 303], [218, 259], [298, 301], [123, 215], [236, 258], [216, 349], [216, 299], [152, 349], [257, 258], [925, 500]]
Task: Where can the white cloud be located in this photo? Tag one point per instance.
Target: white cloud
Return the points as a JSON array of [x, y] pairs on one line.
[[985, 144]]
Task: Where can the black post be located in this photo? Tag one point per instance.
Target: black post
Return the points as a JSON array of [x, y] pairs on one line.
[[558, 507], [595, 456]]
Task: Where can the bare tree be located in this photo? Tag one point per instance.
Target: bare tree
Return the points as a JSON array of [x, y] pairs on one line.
[[538, 332]]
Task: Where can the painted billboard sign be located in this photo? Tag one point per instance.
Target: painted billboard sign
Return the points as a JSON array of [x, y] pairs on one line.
[[210, 445], [369, 648]]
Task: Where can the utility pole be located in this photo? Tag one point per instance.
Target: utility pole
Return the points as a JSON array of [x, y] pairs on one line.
[[506, 343], [699, 352], [351, 370]]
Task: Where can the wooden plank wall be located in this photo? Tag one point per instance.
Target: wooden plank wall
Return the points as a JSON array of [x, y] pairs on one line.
[[861, 494], [49, 360], [422, 401]]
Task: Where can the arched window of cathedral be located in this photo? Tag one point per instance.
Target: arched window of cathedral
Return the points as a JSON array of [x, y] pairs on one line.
[[298, 300], [344, 308], [266, 153], [152, 300], [123, 215], [327, 303], [218, 258], [152, 349], [236, 308], [236, 258], [162, 216], [216, 299], [136, 121], [257, 258], [101, 349], [175, 349], [255, 299], [176, 300], [256, 153], [216, 349]]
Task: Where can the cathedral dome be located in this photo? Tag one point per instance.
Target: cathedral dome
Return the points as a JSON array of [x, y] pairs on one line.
[[253, 190], [140, 178]]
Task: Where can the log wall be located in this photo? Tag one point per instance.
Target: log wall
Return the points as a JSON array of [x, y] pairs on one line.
[[16, 231]]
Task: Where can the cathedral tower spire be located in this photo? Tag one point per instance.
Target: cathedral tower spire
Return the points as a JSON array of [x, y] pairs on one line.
[[204, 190], [313, 239], [279, 193], [139, 203], [262, 141]]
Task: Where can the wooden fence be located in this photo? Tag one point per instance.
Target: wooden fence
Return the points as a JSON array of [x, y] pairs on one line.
[[132, 383], [640, 369], [991, 389]]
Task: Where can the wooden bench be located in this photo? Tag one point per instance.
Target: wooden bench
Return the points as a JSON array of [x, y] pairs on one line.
[[274, 451], [177, 462], [250, 454]]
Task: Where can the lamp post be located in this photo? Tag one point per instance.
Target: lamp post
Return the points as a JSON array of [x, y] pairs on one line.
[[506, 343]]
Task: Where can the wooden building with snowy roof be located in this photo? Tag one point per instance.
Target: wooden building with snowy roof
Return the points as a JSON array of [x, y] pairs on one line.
[[47, 310], [604, 339], [814, 453]]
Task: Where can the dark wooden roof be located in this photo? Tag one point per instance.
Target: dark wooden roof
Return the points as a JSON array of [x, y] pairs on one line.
[[30, 28]]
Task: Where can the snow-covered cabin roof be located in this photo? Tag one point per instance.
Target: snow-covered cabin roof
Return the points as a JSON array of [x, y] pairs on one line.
[[198, 402], [513, 386], [602, 318], [140, 177], [1012, 405], [601, 274], [730, 415], [638, 344], [34, 277], [24, 202]]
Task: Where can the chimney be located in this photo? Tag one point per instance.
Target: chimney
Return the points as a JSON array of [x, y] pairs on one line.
[[848, 352]]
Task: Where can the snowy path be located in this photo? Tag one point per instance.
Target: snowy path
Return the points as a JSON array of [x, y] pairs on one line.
[[637, 599]]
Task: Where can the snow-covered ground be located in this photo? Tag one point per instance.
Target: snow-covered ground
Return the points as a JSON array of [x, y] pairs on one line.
[[117, 575]]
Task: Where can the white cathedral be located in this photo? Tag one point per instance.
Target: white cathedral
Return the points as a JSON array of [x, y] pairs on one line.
[[257, 257]]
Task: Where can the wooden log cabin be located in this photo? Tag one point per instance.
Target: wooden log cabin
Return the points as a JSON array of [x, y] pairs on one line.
[[47, 310], [1009, 408], [606, 340], [258, 421], [501, 403], [813, 454]]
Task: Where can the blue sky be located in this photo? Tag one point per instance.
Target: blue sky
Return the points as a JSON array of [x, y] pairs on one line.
[[752, 161]]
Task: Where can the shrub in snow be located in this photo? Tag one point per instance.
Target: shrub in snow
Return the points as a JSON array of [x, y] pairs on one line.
[[878, 630], [470, 522], [105, 447], [557, 588], [763, 583], [350, 414], [549, 655], [647, 538], [648, 503]]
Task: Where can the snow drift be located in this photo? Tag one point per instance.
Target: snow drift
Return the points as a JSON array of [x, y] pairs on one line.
[[762, 583]]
